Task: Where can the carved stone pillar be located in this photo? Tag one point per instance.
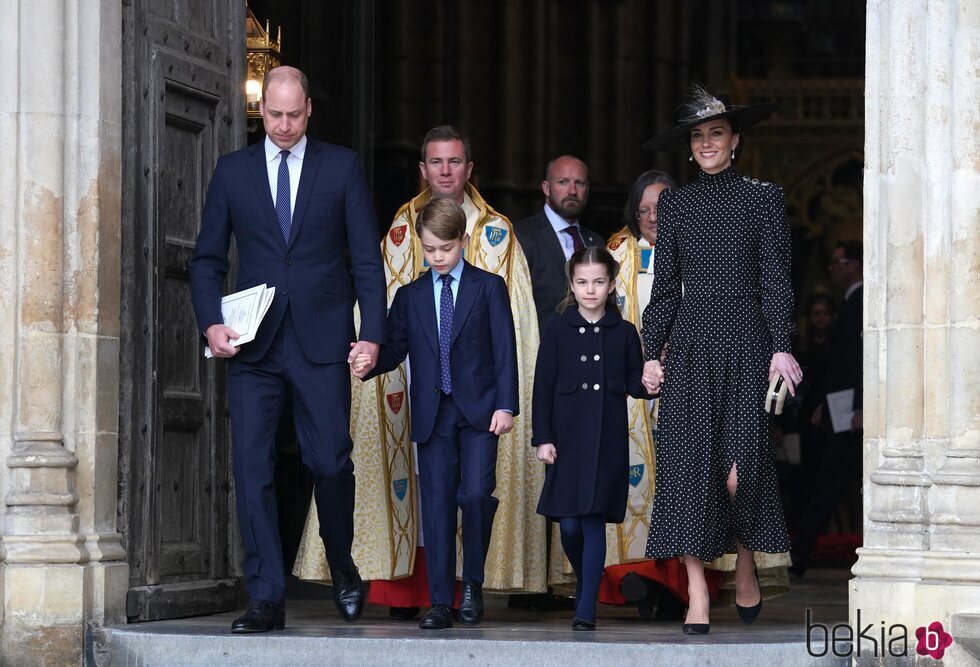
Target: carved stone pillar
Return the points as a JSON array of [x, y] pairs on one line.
[[921, 558], [61, 561]]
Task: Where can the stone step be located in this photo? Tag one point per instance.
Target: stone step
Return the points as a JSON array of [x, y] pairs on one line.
[[133, 646], [315, 636]]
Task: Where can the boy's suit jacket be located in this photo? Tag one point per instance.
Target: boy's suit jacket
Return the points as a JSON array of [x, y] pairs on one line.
[[483, 353]]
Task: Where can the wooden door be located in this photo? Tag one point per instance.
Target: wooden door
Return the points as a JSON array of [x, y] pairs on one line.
[[183, 106]]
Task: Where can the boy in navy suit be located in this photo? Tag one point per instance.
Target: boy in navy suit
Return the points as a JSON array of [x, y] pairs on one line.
[[454, 323]]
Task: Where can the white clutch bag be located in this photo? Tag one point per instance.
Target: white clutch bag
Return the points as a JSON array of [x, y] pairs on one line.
[[775, 396]]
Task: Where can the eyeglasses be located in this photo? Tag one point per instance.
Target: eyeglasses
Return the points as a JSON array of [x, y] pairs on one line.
[[647, 213]]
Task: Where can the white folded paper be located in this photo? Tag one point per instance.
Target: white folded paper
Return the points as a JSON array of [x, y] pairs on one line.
[[841, 404], [243, 311]]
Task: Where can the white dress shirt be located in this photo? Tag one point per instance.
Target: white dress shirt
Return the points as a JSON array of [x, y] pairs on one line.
[[559, 223], [437, 286], [294, 164]]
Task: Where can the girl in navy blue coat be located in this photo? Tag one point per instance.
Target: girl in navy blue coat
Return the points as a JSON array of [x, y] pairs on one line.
[[589, 361]]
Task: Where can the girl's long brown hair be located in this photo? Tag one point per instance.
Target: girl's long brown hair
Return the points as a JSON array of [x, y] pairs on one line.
[[589, 255]]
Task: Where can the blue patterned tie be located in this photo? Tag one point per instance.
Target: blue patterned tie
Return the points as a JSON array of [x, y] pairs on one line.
[[282, 196], [445, 329]]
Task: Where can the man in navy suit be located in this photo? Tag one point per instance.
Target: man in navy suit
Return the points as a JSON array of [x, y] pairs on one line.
[[454, 323], [550, 236], [297, 208]]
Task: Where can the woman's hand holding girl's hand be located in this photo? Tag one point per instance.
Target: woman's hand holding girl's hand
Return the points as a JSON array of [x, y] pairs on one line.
[[547, 453], [786, 365], [653, 376]]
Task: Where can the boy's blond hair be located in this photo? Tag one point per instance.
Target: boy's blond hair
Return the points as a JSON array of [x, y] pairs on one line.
[[444, 218]]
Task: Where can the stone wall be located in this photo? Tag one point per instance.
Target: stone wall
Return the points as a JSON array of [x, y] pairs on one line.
[[921, 557], [61, 560]]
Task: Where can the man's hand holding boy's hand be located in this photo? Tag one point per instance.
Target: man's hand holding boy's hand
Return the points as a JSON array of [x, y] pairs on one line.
[[361, 365]]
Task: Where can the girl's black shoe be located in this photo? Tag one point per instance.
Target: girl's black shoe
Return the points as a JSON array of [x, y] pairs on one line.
[[581, 624]]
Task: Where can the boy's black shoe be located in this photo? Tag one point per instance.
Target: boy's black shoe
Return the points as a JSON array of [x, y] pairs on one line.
[[437, 618], [260, 616]]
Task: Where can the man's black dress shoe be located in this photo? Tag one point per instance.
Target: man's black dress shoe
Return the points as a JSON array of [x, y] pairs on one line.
[[404, 613], [260, 616], [580, 624], [634, 588], [654, 601], [470, 604], [437, 618], [348, 594]]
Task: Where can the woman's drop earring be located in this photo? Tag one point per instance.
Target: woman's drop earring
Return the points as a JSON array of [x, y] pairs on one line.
[[691, 159], [733, 153]]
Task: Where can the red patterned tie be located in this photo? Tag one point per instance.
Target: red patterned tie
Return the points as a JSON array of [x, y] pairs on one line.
[[577, 242]]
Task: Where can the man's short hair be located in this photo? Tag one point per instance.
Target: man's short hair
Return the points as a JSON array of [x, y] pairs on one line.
[[280, 74], [444, 218], [446, 133], [853, 250]]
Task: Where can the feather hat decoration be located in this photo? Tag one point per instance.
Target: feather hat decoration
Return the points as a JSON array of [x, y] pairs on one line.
[[703, 107]]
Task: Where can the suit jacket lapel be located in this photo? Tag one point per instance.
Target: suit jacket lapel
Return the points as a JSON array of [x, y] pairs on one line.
[[550, 238], [465, 298], [259, 170], [311, 164], [425, 306]]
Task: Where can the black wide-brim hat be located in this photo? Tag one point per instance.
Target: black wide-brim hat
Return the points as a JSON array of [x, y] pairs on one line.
[[702, 108]]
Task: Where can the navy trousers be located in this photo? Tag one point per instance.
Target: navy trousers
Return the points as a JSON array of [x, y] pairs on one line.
[[457, 469], [321, 408]]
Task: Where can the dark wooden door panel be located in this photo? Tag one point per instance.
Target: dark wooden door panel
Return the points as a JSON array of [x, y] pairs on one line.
[[183, 107]]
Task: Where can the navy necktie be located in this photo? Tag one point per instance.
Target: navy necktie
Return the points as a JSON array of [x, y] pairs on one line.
[[283, 207], [577, 242], [445, 330]]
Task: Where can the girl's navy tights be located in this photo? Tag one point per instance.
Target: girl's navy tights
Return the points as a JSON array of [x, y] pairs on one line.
[[584, 541]]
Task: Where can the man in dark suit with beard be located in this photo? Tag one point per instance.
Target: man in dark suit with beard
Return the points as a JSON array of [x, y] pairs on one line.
[[840, 461], [550, 236]]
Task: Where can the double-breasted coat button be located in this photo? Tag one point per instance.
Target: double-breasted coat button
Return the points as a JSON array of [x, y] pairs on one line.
[[596, 329], [596, 357], [584, 357], [585, 385], [581, 329], [596, 387]]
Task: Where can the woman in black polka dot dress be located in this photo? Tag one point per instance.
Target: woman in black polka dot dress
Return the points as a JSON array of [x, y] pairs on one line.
[[722, 299]]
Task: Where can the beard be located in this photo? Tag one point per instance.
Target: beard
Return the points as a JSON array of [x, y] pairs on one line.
[[568, 208]]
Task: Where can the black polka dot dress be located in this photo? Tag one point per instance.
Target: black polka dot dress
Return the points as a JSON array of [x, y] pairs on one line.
[[722, 298]]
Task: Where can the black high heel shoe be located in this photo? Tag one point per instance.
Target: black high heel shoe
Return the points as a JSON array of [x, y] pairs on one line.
[[696, 628], [749, 614]]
